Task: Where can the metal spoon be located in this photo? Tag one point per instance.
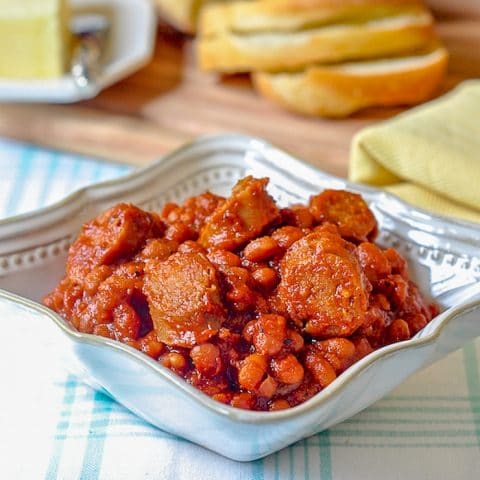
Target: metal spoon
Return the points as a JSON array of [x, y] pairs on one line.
[[91, 30]]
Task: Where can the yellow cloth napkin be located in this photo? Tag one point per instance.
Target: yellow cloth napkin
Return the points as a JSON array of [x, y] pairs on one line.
[[429, 156]]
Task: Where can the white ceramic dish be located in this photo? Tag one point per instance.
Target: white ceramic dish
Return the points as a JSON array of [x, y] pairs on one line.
[[129, 47], [444, 258]]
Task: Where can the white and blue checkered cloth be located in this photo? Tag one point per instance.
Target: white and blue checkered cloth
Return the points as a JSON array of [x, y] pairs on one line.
[[53, 427]]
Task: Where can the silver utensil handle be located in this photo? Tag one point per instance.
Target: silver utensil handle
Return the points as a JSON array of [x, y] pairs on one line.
[[91, 31]]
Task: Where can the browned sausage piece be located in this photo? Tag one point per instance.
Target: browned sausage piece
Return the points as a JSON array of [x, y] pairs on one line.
[[184, 299], [242, 217], [374, 262], [322, 285], [348, 211], [119, 232]]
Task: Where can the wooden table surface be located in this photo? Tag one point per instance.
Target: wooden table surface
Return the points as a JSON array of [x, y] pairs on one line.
[[169, 102]]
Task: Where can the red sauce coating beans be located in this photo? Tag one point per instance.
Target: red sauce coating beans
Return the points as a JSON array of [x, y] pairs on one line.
[[258, 307]]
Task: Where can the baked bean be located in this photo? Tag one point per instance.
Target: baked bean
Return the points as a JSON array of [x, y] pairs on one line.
[[207, 359], [225, 398], [240, 296], [159, 248], [261, 249], [375, 316], [377, 327], [243, 400], [432, 309], [104, 330], [339, 352], [66, 296], [150, 345], [327, 227], [380, 300], [126, 322], [268, 387], [224, 258], [249, 330], [95, 277], [320, 368], [287, 369], [269, 334], [302, 216], [193, 212], [395, 288], [167, 209], [286, 236], [179, 232], [298, 216], [266, 278], [294, 341], [252, 371], [373, 261], [398, 330], [416, 322], [397, 262], [362, 347], [279, 404], [175, 361], [236, 275], [190, 247]]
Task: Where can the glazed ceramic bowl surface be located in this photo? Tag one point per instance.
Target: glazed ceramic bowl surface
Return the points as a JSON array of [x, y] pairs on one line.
[[443, 257]]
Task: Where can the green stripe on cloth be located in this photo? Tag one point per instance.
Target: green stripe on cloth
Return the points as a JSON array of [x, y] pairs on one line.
[[325, 455], [473, 382], [291, 464], [123, 417], [62, 425], [257, 470], [305, 459], [276, 473], [333, 443], [52, 167], [92, 458], [402, 433], [19, 182]]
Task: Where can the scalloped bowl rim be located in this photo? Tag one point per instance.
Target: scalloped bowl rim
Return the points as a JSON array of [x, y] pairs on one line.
[[81, 197]]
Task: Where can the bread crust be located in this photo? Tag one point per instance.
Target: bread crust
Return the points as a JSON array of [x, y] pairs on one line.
[[232, 53], [338, 91]]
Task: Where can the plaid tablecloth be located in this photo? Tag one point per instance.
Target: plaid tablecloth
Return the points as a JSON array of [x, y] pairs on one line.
[[52, 426]]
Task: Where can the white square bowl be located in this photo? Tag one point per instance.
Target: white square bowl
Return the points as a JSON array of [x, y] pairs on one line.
[[443, 256]]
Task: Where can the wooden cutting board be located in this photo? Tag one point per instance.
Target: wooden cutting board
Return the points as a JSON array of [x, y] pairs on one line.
[[170, 102]]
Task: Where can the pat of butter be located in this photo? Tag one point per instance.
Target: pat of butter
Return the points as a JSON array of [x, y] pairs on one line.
[[34, 38]]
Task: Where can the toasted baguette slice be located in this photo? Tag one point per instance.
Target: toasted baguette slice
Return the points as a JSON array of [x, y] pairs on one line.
[[182, 14], [280, 51], [338, 91], [293, 15]]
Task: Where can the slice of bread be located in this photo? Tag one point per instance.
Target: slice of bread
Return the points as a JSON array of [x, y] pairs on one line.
[[293, 15], [285, 51], [338, 91]]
